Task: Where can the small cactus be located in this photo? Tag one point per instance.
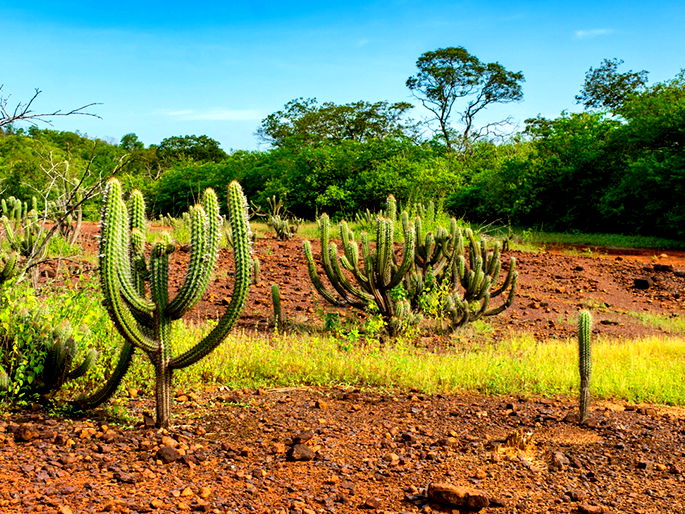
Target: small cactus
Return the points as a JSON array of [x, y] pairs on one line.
[[276, 300], [584, 362], [4, 380]]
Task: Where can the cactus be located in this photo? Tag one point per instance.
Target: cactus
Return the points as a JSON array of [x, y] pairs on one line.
[[127, 274], [57, 367], [285, 227], [22, 227], [256, 267], [278, 313], [584, 362], [8, 267], [474, 283], [375, 275]]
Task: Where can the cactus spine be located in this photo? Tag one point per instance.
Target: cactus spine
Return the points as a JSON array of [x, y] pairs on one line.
[[126, 276], [584, 362], [375, 274]]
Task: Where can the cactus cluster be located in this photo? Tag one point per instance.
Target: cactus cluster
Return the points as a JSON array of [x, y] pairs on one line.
[[376, 272], [446, 257], [22, 227], [69, 226], [584, 362], [136, 290]]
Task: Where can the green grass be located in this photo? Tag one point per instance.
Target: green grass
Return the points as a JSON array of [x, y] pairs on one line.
[[527, 238], [674, 324], [643, 370]]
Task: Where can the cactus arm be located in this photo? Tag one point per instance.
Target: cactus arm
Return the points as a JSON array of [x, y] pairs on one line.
[[82, 368], [407, 258], [111, 242], [243, 263], [204, 249], [106, 391], [316, 280], [510, 298], [511, 274], [342, 285]]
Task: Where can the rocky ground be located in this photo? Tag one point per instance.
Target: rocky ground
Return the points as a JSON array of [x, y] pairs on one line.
[[301, 450]]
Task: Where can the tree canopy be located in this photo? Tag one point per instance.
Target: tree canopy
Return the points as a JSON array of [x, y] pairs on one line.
[[449, 74], [606, 88], [304, 121]]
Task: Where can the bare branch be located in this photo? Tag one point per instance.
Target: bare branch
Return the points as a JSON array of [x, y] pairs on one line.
[[24, 111]]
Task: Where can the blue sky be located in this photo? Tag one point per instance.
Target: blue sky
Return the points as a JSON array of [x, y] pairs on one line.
[[167, 68]]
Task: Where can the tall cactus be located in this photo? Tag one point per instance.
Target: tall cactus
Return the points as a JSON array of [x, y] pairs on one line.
[[584, 362], [127, 274], [375, 273]]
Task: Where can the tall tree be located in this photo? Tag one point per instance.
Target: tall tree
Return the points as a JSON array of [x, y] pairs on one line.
[[607, 88], [303, 120], [449, 74]]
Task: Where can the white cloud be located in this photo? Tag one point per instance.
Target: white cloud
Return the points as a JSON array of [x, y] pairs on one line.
[[214, 114], [592, 33]]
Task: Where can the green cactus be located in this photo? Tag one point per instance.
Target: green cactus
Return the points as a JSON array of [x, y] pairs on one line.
[[284, 227], [474, 283], [276, 300], [126, 275], [376, 272], [57, 367], [584, 362], [23, 230], [8, 267], [256, 268]]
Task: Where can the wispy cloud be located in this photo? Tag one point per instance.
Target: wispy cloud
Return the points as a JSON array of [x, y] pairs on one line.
[[214, 114], [592, 33]]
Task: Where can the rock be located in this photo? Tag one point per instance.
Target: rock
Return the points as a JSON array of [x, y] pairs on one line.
[[371, 503], [576, 495], [590, 509], [644, 464], [126, 478], [167, 454], [455, 496], [300, 452], [392, 459], [169, 441], [663, 267], [643, 283], [25, 433], [303, 437], [679, 273], [320, 404], [559, 461]]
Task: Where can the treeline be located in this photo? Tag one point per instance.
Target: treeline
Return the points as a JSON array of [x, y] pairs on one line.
[[620, 169]]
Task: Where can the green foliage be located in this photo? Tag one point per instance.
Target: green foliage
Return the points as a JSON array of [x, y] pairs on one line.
[[128, 273], [38, 346], [195, 148], [303, 122], [608, 89]]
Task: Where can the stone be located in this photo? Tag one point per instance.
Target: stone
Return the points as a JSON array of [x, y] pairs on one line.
[[167, 454], [590, 509], [300, 452], [371, 503], [642, 283], [456, 496], [663, 267], [559, 461], [25, 433], [679, 273]]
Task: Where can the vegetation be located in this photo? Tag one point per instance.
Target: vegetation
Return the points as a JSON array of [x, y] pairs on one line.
[[584, 362], [126, 275]]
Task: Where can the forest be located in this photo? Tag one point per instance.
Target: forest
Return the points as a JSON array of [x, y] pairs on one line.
[[618, 166]]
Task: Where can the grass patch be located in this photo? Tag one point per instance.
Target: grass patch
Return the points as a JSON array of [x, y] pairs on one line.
[[671, 323], [644, 370], [528, 238]]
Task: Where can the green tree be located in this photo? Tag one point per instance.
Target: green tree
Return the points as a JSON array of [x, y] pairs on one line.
[[450, 74], [607, 88], [196, 148], [304, 121]]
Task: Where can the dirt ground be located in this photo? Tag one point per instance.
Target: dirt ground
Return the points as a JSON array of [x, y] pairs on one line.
[[303, 450]]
